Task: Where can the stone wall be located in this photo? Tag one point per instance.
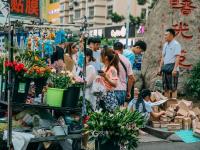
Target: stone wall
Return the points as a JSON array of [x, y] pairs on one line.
[[162, 17]]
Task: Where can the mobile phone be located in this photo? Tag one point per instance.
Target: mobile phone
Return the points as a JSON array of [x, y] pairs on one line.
[[100, 71]]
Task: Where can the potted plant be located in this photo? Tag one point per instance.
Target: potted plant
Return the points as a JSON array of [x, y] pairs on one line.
[[39, 74], [72, 93], [21, 83], [112, 130], [59, 82], [68, 87], [38, 70]]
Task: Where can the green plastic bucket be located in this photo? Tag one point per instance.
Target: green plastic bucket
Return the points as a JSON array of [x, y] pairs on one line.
[[54, 97]]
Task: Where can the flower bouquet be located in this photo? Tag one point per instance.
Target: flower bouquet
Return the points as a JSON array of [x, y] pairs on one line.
[[38, 70], [21, 83], [17, 68], [40, 75]]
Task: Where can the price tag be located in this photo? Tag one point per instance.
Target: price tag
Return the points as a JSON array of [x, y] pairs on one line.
[[3, 86], [21, 88]]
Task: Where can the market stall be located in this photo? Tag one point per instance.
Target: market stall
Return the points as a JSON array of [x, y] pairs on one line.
[[43, 107]]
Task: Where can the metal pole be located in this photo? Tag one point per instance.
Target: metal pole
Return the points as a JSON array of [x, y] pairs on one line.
[[10, 54], [84, 111], [127, 22]]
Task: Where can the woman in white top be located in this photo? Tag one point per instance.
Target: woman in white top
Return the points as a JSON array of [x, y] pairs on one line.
[[90, 77]]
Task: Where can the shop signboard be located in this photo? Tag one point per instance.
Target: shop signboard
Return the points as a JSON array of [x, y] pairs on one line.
[[119, 31], [96, 32], [25, 7]]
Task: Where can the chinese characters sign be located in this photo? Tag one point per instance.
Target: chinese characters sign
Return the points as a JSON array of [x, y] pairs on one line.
[[185, 6], [182, 62], [181, 28], [25, 7]]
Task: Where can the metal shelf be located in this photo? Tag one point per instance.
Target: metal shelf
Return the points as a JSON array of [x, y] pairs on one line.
[[41, 106], [55, 138]]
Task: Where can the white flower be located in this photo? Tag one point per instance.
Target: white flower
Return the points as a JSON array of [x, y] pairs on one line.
[[53, 70], [70, 75], [73, 82], [99, 111], [67, 72], [62, 72]]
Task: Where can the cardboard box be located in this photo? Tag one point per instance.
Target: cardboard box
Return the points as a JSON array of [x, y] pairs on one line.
[[179, 120], [189, 104], [173, 127], [182, 112], [155, 124], [182, 105], [164, 118], [198, 125], [171, 102], [191, 114], [187, 122], [196, 110], [174, 106], [163, 124], [170, 112]]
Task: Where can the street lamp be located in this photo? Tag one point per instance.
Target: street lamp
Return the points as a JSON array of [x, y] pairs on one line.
[[127, 22]]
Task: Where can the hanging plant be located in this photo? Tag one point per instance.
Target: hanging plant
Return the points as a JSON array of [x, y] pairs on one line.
[[135, 21], [116, 18], [141, 2]]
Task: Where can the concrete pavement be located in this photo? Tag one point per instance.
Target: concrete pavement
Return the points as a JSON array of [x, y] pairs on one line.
[[162, 145]]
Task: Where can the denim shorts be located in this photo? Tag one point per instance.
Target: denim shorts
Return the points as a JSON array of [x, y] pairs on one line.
[[121, 96]]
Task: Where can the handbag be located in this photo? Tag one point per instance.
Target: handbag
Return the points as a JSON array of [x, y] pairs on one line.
[[168, 68]]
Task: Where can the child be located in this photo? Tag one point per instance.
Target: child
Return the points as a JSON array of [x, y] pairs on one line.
[[144, 105]]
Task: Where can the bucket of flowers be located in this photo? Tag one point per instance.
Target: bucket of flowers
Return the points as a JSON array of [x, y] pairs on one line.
[[65, 90], [21, 83], [39, 74], [114, 130], [38, 70]]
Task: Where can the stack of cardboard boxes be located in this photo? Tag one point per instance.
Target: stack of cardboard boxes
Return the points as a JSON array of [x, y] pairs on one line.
[[180, 115]]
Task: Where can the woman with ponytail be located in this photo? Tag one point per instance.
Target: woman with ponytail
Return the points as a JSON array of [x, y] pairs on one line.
[[109, 78]]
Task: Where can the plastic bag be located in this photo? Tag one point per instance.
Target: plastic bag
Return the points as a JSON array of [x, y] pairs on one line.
[[98, 86]]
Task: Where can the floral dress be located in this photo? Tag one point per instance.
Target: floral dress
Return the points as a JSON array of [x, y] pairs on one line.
[[108, 101]]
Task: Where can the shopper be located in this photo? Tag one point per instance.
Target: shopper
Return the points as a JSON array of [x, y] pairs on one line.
[[126, 77], [90, 77], [94, 45], [138, 48], [169, 65], [109, 78], [71, 57], [58, 57]]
